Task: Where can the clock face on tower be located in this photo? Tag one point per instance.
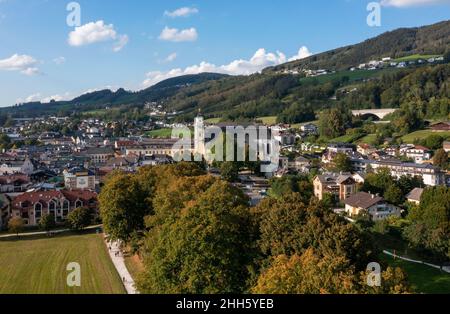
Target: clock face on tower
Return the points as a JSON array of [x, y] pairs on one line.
[[82, 183]]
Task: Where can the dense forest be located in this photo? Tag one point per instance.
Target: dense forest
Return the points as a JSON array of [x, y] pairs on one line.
[[197, 234]]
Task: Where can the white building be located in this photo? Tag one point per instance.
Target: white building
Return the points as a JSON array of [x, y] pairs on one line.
[[418, 153], [17, 166], [431, 175]]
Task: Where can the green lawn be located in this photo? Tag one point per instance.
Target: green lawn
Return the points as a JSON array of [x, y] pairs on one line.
[[37, 265], [422, 134], [353, 76], [423, 279], [270, 120], [368, 139], [161, 133], [213, 120], [416, 57]]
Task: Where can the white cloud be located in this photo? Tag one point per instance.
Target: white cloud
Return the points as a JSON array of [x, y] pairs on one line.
[[181, 12], [56, 97], [409, 3], [59, 60], [176, 35], [34, 97], [38, 97], [260, 60], [171, 57], [122, 42], [31, 71], [303, 52], [22, 63], [95, 32], [97, 89]]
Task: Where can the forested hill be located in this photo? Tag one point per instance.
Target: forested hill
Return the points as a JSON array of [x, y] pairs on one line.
[[432, 39], [296, 99], [102, 98]]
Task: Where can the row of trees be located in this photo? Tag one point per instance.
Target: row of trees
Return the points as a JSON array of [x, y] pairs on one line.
[[201, 236], [77, 220]]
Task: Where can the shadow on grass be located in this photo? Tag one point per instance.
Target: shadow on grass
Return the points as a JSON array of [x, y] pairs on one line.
[[53, 236]]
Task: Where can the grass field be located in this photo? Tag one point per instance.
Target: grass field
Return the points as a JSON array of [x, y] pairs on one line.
[[271, 120], [422, 134], [423, 279], [353, 76], [368, 139], [213, 120], [416, 57], [161, 133], [37, 265]]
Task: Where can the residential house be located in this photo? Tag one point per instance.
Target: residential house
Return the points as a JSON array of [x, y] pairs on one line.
[[392, 151], [125, 163], [341, 148], [441, 127], [285, 138], [414, 196], [301, 164], [418, 153], [339, 185], [17, 166], [446, 146], [14, 183], [365, 149], [375, 205], [309, 129]]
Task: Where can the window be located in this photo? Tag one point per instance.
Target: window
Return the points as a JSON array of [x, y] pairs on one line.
[[78, 204], [65, 210], [52, 208], [38, 210]]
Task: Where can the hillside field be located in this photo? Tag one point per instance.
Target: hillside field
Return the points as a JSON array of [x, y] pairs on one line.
[[37, 265], [422, 134], [416, 57]]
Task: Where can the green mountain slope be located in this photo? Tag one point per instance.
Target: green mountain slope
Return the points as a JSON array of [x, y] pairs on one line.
[[432, 39], [102, 98]]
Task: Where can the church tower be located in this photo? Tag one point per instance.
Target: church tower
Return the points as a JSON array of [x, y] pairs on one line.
[[199, 135]]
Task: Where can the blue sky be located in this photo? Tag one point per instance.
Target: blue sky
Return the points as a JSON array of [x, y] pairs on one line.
[[134, 43]]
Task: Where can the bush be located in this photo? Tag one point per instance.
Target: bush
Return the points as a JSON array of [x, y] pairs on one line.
[[47, 222]]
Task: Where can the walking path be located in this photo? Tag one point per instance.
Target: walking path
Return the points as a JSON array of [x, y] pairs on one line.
[[445, 268], [29, 234], [119, 263]]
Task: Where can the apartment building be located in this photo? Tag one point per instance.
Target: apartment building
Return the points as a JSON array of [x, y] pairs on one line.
[[431, 175]]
